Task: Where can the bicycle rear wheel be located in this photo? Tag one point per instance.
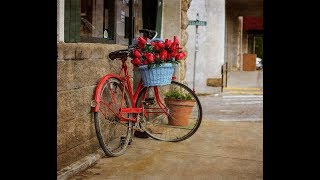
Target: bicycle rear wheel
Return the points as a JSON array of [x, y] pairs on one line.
[[162, 119], [113, 135]]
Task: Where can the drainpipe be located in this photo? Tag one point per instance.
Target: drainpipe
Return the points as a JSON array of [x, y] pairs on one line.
[[195, 54]]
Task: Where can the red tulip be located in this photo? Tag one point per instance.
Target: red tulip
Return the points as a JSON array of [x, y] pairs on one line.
[[163, 55], [149, 57], [173, 53], [160, 44], [146, 53], [145, 62], [156, 56], [141, 42], [175, 40], [174, 46], [156, 47], [167, 43], [180, 56], [136, 62], [136, 53]]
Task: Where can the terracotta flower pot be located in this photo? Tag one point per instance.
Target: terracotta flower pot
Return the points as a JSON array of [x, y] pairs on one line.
[[180, 111]]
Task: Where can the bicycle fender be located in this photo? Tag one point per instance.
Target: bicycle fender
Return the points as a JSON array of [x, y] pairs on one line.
[[96, 102]]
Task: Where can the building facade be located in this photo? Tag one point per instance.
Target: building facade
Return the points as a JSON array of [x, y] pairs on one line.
[[88, 30], [231, 31]]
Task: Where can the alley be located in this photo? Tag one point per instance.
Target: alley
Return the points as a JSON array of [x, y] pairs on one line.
[[222, 148]]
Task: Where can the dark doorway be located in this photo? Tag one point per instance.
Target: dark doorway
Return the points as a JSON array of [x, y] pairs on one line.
[[255, 43], [149, 14]]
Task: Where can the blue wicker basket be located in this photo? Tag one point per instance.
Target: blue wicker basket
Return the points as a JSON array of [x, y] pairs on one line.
[[157, 75]]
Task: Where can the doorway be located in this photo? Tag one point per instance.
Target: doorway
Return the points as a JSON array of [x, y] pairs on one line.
[[152, 15], [255, 46]]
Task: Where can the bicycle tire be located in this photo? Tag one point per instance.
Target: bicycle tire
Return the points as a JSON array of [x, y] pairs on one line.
[[113, 135], [164, 130]]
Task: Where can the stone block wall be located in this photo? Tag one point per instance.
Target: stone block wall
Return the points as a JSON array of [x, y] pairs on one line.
[[79, 68], [185, 4]]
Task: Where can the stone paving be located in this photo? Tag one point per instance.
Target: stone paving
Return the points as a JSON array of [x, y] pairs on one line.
[[222, 148]]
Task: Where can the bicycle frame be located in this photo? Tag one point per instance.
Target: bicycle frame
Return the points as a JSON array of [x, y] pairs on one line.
[[125, 79]]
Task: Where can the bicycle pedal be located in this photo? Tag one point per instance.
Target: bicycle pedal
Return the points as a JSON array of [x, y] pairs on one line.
[[123, 140], [149, 101]]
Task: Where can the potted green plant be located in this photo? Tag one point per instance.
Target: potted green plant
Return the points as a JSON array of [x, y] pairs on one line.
[[180, 105]]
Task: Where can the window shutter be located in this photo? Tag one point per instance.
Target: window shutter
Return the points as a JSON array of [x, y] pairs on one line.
[[72, 21]]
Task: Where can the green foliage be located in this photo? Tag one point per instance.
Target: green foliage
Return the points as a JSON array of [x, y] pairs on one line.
[[149, 48], [158, 62], [175, 94]]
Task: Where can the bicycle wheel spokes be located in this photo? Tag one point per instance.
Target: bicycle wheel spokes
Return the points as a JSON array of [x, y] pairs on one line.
[[113, 134], [113, 92], [164, 119]]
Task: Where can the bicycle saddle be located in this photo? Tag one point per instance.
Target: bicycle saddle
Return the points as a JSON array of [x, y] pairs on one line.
[[118, 54]]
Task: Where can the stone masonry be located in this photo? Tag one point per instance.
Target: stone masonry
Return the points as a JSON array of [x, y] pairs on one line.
[[185, 4], [79, 68]]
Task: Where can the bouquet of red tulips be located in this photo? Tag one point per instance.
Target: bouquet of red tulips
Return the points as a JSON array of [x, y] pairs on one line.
[[156, 53]]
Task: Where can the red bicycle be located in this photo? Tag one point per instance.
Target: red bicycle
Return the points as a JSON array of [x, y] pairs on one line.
[[118, 111]]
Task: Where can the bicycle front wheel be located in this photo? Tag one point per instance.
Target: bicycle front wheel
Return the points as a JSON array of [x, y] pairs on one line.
[[113, 135], [169, 120]]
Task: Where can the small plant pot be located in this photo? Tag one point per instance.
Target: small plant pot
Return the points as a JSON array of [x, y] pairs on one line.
[[180, 111]]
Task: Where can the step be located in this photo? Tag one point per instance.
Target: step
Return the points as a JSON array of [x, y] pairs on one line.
[[245, 79], [242, 90]]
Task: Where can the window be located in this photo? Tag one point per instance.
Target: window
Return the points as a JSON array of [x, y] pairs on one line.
[[152, 15], [98, 21]]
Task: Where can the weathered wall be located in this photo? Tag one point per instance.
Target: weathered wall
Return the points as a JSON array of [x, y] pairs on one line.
[[232, 35], [185, 4], [79, 68], [245, 42], [210, 56], [171, 23], [171, 19]]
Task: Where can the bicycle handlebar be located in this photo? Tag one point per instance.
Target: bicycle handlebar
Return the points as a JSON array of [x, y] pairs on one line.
[[151, 34]]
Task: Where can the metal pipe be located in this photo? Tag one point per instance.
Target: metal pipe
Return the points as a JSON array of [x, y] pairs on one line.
[[195, 54]]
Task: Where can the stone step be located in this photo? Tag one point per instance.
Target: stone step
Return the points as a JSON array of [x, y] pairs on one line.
[[242, 90], [243, 79]]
